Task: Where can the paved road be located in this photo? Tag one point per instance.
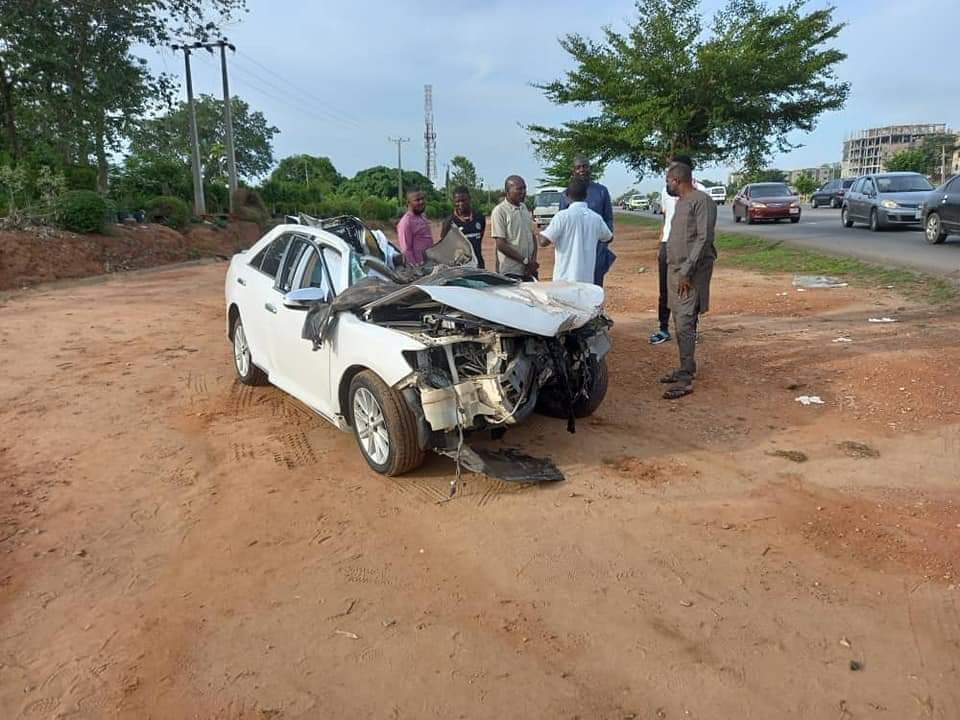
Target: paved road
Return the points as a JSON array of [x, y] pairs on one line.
[[821, 230]]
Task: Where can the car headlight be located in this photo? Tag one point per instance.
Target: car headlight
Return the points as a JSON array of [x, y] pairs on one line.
[[889, 204], [794, 204], [757, 205]]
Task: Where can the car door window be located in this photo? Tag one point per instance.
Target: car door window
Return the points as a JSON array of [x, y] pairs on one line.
[[291, 261], [953, 186], [334, 263], [869, 187], [268, 260], [314, 273]]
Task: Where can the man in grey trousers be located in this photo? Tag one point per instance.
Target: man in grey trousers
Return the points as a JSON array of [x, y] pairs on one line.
[[690, 257]]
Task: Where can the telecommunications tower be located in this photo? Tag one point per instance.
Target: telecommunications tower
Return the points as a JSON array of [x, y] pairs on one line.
[[429, 134]]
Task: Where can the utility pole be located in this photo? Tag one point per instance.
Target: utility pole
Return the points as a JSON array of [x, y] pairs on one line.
[[943, 163], [228, 120], [399, 140], [199, 206]]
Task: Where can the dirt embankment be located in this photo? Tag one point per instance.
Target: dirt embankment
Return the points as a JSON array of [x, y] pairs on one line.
[[31, 257]]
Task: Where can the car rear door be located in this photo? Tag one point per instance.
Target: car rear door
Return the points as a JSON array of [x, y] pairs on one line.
[[854, 201], [257, 296]]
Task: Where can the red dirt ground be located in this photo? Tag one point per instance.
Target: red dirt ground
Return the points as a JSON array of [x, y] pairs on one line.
[[176, 545]]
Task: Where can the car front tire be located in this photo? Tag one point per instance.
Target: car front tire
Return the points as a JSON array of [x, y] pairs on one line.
[[247, 372], [384, 426], [795, 220], [875, 225], [814, 203], [933, 229], [845, 218]]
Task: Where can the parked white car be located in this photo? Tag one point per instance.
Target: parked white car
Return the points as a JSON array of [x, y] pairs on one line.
[[410, 366]]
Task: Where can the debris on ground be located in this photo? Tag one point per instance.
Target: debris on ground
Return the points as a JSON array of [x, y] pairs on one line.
[[882, 320], [817, 281], [792, 455], [810, 400], [855, 665], [858, 450], [347, 634], [843, 340]]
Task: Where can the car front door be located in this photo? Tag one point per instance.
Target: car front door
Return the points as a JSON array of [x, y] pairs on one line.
[[741, 203], [868, 198], [300, 370], [949, 206]]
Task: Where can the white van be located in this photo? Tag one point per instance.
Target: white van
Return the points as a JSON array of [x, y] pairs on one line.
[[718, 193], [546, 204]]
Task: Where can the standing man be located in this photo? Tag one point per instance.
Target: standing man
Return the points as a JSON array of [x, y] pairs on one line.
[[668, 205], [690, 257], [576, 231], [511, 227], [598, 200], [413, 230], [471, 225]]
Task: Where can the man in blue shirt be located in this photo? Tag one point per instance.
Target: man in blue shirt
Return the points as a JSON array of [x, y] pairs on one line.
[[598, 200]]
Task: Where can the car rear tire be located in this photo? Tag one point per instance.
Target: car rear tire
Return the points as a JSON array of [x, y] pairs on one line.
[[814, 203], [845, 218], [875, 221], [834, 203], [247, 372], [933, 229], [384, 426]]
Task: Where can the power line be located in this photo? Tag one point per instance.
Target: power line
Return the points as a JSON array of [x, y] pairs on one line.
[[325, 101]]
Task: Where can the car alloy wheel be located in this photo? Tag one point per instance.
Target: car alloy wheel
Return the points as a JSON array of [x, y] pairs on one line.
[[241, 350], [371, 426], [933, 230], [845, 218], [874, 221]]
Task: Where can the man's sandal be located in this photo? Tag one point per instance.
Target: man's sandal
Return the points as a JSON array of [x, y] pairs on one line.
[[674, 377], [677, 391]]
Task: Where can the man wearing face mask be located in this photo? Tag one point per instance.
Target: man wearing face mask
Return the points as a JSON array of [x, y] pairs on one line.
[[690, 257]]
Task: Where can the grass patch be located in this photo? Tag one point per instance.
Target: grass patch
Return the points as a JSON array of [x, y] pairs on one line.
[[768, 256], [633, 220]]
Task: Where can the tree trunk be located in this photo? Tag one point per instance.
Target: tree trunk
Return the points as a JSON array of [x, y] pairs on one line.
[[9, 113], [102, 167]]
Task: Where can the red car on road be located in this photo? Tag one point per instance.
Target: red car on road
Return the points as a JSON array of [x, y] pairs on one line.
[[766, 201]]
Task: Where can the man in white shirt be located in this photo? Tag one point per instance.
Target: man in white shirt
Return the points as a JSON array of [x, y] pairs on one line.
[[669, 205], [575, 233]]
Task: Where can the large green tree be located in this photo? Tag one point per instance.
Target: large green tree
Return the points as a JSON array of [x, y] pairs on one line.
[[909, 160], [462, 172], [805, 184], [167, 138], [70, 79], [301, 179], [728, 93], [381, 181]]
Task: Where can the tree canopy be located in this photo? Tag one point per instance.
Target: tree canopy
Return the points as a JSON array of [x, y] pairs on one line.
[[805, 184], [70, 81], [381, 181], [462, 172], [927, 158], [668, 86]]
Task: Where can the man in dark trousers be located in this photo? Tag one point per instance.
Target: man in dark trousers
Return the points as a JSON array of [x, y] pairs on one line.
[[690, 257], [668, 205], [598, 200], [471, 224]]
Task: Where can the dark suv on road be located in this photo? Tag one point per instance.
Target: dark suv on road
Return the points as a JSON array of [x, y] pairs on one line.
[[885, 199], [831, 193]]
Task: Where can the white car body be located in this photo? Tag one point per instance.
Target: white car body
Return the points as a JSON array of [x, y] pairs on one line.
[[493, 335], [718, 193], [638, 202]]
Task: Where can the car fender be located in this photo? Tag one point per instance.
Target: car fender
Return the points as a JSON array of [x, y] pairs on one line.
[[362, 345]]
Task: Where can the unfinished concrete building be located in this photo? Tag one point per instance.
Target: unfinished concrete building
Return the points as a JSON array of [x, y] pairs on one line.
[[867, 151]]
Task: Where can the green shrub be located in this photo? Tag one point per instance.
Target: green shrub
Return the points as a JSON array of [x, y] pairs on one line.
[[374, 208], [80, 177], [248, 205], [437, 210], [82, 211], [170, 211]]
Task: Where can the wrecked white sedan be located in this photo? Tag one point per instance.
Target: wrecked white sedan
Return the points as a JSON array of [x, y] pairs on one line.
[[412, 360]]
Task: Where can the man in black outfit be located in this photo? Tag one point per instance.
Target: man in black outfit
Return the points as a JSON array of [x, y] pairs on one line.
[[471, 224]]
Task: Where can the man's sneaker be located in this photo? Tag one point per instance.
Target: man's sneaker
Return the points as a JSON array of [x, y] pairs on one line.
[[660, 336]]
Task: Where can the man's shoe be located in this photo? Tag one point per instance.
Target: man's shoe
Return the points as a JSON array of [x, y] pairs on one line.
[[660, 336]]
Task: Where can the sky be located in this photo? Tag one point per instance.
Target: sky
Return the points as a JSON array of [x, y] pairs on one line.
[[339, 78]]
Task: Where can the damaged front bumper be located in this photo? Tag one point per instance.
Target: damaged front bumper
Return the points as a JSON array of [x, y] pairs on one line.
[[496, 379]]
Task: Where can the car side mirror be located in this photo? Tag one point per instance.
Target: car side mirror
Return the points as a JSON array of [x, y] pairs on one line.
[[305, 298]]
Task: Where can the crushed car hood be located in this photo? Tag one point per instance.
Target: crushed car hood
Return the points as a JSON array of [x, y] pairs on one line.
[[546, 309]]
